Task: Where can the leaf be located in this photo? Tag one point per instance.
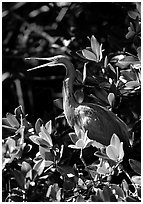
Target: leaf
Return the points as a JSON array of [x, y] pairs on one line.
[[89, 55], [131, 199], [19, 178], [46, 136], [80, 199], [48, 126], [59, 103], [112, 68], [43, 150], [95, 46], [118, 190], [79, 95], [12, 120], [139, 53], [84, 72], [112, 152], [101, 155], [49, 156], [78, 76], [132, 84], [25, 167], [66, 170], [80, 143], [103, 170], [15, 198], [38, 124], [18, 112], [135, 165], [136, 180], [133, 14], [107, 193], [79, 53], [111, 99], [34, 138], [73, 137], [115, 141], [11, 144], [39, 166], [7, 131]]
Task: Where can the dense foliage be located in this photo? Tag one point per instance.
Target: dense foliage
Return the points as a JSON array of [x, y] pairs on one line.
[[43, 159]]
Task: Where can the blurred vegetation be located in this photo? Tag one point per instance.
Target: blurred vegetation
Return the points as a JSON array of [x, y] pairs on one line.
[[44, 29]]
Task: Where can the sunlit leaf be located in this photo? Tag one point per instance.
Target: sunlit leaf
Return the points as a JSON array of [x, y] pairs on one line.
[[97, 144], [95, 46], [48, 126], [25, 167], [12, 120], [132, 84], [84, 72], [112, 68], [111, 99], [39, 166], [115, 141], [11, 144], [101, 155], [136, 180], [139, 53], [103, 170], [34, 139], [121, 151], [46, 136], [112, 152], [80, 143], [89, 55]]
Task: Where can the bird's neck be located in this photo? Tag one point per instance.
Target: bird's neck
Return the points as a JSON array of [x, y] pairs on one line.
[[69, 102]]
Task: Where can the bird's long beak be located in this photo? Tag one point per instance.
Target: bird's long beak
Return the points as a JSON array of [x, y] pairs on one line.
[[51, 62]]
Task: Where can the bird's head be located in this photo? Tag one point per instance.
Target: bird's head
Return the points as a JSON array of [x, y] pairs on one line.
[[52, 61]]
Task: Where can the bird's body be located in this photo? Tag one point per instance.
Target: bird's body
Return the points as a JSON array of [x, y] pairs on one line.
[[100, 123]]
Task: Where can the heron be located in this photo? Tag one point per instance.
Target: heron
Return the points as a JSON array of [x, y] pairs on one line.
[[98, 121]]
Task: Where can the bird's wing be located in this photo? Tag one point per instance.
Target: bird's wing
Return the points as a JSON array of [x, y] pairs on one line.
[[100, 123]]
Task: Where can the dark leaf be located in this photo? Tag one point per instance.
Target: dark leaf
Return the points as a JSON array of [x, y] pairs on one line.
[[59, 103], [107, 193], [80, 199], [19, 178], [12, 120], [16, 198], [136, 165], [18, 112], [131, 199], [38, 124], [7, 131]]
